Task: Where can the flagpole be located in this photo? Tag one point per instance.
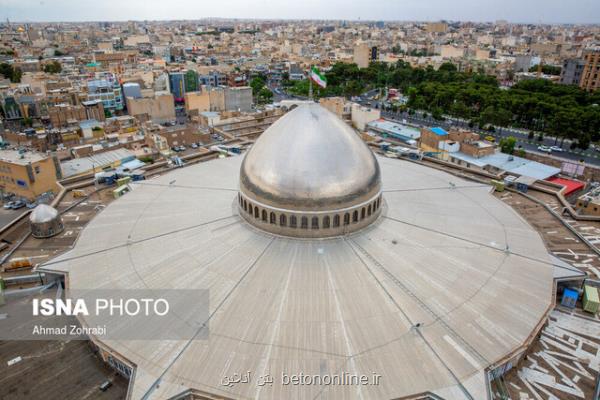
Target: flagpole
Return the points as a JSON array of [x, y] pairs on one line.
[[310, 88]]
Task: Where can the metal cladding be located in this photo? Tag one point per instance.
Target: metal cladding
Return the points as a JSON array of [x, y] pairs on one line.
[[45, 221], [448, 282], [310, 175]]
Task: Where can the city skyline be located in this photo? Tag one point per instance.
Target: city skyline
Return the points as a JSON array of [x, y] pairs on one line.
[[547, 12], [389, 199]]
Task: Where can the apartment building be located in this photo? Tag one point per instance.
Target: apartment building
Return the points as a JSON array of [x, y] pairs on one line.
[[158, 106], [364, 54], [108, 90], [590, 77], [62, 115], [571, 71], [28, 174]]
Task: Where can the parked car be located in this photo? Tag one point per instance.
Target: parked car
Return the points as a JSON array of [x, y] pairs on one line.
[[490, 139], [18, 204], [194, 146], [9, 205], [545, 149], [105, 386], [557, 149]]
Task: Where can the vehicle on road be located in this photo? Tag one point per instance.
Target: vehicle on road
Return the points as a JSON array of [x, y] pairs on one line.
[[490, 138], [9, 205], [545, 149], [557, 149]]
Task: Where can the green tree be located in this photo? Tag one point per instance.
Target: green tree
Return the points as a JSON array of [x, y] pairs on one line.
[[9, 72], [265, 96], [547, 69], [437, 114], [257, 84], [53, 67], [583, 142], [507, 144], [563, 111], [448, 67], [191, 81]]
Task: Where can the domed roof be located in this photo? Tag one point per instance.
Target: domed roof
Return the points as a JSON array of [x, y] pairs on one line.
[[43, 213], [310, 160]]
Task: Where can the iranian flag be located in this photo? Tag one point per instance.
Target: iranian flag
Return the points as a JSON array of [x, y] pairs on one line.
[[318, 77]]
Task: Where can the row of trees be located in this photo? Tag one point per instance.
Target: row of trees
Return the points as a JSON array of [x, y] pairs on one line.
[[546, 69], [565, 112], [539, 105]]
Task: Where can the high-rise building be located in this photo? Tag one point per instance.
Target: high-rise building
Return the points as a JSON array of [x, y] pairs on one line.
[[108, 90], [177, 84], [571, 72], [590, 78], [361, 55], [522, 62], [160, 106], [132, 89], [364, 54], [238, 98], [437, 27]]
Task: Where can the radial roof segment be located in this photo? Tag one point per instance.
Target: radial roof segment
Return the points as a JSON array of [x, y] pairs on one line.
[[446, 282]]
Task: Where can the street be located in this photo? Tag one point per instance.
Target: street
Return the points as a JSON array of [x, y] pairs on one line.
[[590, 156]]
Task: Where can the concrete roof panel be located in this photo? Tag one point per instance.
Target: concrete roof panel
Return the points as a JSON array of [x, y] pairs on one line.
[[435, 258]]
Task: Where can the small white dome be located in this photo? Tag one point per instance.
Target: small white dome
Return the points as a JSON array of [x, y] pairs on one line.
[[43, 213]]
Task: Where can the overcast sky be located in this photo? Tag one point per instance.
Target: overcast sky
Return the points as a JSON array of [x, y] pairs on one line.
[[545, 11]]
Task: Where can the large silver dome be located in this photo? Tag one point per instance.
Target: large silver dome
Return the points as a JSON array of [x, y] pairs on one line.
[[311, 162]]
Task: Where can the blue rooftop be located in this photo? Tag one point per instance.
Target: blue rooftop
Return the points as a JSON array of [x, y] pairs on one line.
[[439, 131], [571, 293]]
